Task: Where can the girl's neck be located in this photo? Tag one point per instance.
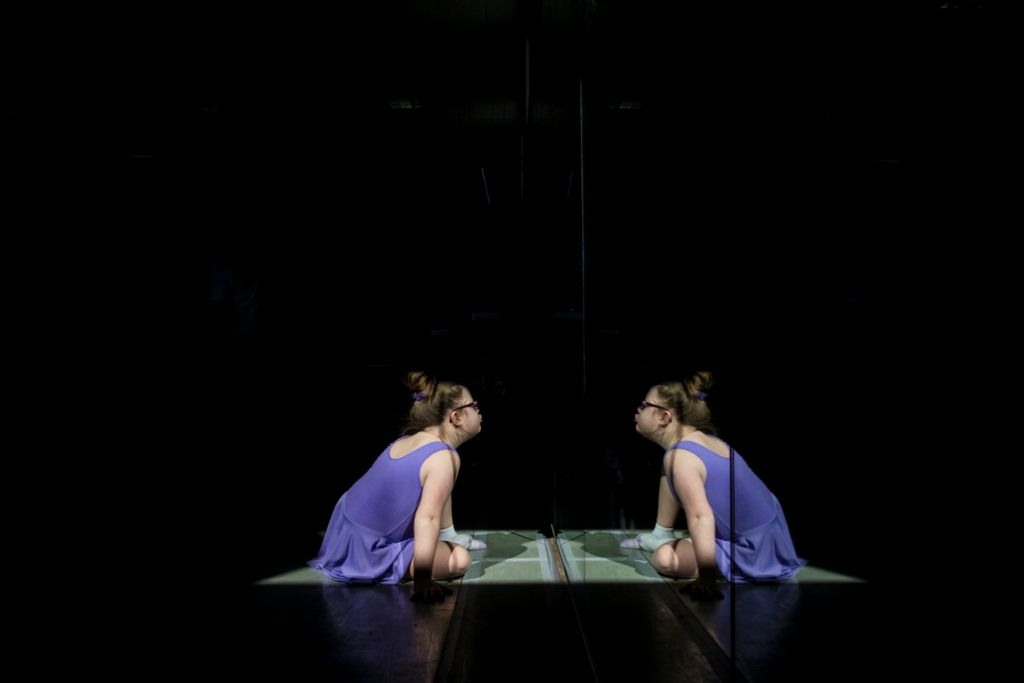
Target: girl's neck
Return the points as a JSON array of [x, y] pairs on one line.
[[670, 437], [450, 438]]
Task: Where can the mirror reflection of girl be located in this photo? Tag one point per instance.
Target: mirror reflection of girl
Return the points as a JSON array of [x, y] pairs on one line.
[[695, 478], [395, 522]]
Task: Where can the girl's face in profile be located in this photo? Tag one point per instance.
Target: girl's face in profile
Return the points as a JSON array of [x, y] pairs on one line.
[[471, 419], [648, 414]]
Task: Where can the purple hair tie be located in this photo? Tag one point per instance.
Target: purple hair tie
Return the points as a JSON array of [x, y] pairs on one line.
[[700, 395], [419, 396]]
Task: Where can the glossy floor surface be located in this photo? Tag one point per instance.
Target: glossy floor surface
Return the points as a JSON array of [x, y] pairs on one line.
[[572, 607]]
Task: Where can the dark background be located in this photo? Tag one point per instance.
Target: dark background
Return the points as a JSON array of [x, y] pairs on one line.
[[239, 230]]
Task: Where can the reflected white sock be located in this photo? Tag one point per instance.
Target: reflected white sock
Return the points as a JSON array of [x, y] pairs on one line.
[[650, 542], [657, 538], [663, 531]]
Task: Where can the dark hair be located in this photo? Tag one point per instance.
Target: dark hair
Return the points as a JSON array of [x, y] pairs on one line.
[[431, 401], [688, 400]]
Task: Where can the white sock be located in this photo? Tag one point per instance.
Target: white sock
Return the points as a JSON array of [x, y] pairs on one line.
[[465, 540], [657, 538], [650, 541], [663, 531]]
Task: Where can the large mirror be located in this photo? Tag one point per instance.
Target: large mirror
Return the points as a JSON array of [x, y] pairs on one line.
[[744, 176]]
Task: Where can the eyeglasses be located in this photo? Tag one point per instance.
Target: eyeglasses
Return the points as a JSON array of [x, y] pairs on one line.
[[645, 404], [475, 405]]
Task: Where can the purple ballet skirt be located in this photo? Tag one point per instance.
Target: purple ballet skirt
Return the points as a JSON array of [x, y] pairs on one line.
[[763, 545], [370, 536]]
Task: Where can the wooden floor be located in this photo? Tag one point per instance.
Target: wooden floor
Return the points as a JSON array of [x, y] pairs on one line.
[[572, 607]]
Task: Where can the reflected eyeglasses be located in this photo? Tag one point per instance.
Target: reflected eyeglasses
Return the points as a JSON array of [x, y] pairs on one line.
[[645, 404], [475, 405]]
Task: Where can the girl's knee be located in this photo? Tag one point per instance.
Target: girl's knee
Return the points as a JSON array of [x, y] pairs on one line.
[[662, 558], [460, 561]]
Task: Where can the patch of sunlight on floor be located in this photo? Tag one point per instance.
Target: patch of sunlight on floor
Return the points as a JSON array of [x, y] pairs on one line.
[[518, 556]]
